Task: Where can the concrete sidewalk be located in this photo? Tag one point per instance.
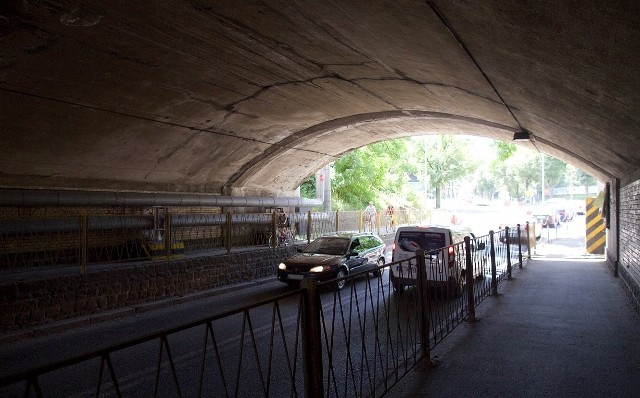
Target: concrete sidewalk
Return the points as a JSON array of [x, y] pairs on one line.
[[559, 328]]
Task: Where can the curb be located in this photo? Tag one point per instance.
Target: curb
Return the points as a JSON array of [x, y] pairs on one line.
[[74, 323]]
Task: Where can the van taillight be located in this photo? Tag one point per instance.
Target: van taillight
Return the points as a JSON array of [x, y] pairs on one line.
[[452, 256]]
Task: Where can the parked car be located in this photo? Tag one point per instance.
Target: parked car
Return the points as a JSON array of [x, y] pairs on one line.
[[445, 269], [578, 206], [335, 256], [535, 223], [562, 207], [549, 218]]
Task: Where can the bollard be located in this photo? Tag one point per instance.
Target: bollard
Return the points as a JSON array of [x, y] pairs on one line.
[[469, 279], [508, 241], [492, 254], [519, 247], [423, 297], [311, 339]]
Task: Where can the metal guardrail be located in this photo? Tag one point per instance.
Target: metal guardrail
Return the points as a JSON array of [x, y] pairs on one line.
[[97, 239], [314, 341]]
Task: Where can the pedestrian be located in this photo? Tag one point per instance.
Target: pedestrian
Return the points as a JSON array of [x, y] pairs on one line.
[[370, 214], [391, 222]]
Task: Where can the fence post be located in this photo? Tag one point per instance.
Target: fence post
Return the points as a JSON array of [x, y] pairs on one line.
[[492, 255], [337, 221], [311, 339], [84, 227], [308, 226], [274, 231], [359, 220], [508, 240], [469, 277], [423, 296], [519, 248], [229, 233], [529, 239], [167, 235]]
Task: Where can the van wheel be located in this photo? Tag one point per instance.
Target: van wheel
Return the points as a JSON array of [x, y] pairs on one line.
[[341, 274], [379, 271], [397, 287]]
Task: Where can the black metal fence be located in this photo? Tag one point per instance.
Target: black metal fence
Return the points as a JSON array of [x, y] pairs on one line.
[[315, 341]]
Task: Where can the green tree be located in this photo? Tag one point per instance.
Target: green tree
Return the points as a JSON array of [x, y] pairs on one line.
[[504, 149], [308, 187], [554, 170], [369, 173], [486, 185], [577, 177], [445, 161]]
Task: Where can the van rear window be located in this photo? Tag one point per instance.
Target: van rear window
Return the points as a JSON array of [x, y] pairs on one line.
[[427, 241]]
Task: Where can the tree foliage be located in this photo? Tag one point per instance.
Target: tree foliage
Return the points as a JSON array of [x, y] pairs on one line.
[[308, 187], [368, 174], [504, 150], [409, 170], [446, 161], [554, 170]]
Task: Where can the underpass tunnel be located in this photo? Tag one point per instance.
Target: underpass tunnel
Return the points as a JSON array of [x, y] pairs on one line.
[[246, 100]]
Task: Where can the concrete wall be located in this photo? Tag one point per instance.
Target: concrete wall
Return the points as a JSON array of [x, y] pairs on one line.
[[32, 303], [626, 204]]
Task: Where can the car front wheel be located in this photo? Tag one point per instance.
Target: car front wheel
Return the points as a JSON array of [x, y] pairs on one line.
[[379, 271], [341, 282]]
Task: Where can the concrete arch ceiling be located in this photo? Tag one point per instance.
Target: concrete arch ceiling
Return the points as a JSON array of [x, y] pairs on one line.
[[240, 97]]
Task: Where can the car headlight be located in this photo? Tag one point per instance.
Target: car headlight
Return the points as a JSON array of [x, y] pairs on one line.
[[317, 269], [282, 266]]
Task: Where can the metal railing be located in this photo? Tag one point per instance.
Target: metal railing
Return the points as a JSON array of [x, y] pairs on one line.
[[97, 239], [315, 341]]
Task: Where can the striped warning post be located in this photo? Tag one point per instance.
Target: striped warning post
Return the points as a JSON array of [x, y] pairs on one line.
[[596, 235]]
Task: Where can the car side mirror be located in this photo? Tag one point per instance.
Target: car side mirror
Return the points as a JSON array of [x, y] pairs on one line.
[[481, 246], [353, 253]]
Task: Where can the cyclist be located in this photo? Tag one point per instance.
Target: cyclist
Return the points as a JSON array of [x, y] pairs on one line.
[[282, 220]]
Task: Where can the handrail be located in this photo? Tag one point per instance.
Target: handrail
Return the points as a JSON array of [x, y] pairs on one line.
[[347, 319]]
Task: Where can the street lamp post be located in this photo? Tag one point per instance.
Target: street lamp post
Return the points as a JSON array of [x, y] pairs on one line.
[[542, 172]]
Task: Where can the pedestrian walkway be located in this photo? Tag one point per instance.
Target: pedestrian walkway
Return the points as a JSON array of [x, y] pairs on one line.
[[562, 327]]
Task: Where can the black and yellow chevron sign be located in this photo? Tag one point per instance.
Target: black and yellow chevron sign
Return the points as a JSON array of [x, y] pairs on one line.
[[596, 235]]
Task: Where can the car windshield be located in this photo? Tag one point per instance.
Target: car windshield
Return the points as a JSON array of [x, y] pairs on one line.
[[333, 246]]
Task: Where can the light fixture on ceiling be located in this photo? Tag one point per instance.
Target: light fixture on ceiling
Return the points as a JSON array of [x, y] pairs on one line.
[[523, 135]]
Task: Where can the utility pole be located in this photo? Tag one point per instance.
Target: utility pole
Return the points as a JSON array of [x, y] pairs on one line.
[[323, 186], [542, 167]]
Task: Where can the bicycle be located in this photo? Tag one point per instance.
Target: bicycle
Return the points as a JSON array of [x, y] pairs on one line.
[[369, 223], [285, 237], [390, 223]]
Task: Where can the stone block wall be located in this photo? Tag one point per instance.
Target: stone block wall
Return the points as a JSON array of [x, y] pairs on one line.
[[32, 303], [629, 238]]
